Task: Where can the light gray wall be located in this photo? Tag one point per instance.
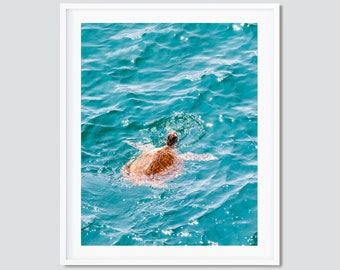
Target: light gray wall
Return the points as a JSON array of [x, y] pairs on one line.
[[29, 145]]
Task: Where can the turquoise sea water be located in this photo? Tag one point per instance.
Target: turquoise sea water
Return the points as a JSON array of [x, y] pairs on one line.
[[140, 81]]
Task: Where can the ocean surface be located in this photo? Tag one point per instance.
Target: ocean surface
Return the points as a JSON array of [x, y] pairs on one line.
[[141, 81]]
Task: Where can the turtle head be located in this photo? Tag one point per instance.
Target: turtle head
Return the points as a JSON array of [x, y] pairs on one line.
[[172, 140]]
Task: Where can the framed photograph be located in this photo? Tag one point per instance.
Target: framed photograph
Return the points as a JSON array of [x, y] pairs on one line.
[[170, 134]]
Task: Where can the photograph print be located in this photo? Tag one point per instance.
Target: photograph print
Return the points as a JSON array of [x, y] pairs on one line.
[[169, 134]]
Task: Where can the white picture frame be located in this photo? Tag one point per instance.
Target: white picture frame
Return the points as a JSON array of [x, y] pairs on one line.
[[267, 252]]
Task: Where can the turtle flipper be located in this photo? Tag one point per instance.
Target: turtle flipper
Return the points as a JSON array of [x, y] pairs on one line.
[[200, 157], [140, 146]]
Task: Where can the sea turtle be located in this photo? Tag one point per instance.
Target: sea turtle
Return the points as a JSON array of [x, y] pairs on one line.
[[157, 165]]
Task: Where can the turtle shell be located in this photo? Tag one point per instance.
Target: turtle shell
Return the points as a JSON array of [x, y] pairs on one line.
[[160, 164]]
